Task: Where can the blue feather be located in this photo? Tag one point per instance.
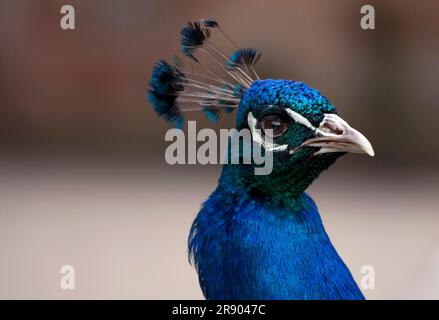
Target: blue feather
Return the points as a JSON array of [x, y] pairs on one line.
[[210, 23], [213, 115], [165, 84], [244, 249], [193, 36], [242, 57], [238, 90]]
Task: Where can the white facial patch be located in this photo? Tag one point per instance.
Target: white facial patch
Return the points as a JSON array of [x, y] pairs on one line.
[[257, 136], [299, 118]]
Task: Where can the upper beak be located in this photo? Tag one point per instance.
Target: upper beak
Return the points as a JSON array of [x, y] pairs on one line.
[[335, 135]]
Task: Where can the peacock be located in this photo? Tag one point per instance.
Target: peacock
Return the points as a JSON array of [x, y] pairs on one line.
[[259, 237]]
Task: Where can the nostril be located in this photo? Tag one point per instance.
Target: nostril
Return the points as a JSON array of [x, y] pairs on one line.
[[331, 127]]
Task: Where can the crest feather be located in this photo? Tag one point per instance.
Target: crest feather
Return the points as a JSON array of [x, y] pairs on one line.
[[174, 89]]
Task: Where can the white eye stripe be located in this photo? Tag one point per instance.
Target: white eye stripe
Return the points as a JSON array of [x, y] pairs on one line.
[[299, 118]]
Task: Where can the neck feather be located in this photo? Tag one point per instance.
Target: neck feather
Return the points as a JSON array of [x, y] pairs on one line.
[[280, 190]]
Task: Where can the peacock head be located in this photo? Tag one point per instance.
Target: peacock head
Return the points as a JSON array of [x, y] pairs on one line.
[[305, 133]]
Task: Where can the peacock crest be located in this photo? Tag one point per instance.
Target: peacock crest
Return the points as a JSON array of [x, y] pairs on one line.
[[195, 85]]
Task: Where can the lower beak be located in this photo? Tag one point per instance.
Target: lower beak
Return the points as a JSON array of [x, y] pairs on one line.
[[335, 135]]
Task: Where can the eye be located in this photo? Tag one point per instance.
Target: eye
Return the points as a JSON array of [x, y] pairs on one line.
[[275, 123]]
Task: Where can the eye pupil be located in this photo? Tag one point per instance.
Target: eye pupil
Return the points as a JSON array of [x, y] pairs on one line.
[[274, 123]]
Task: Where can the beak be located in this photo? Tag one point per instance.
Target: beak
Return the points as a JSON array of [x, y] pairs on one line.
[[336, 135]]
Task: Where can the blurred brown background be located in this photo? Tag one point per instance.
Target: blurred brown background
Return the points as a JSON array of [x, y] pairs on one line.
[[83, 176]]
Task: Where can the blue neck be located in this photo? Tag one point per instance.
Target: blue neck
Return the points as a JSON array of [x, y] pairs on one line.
[[244, 249]]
